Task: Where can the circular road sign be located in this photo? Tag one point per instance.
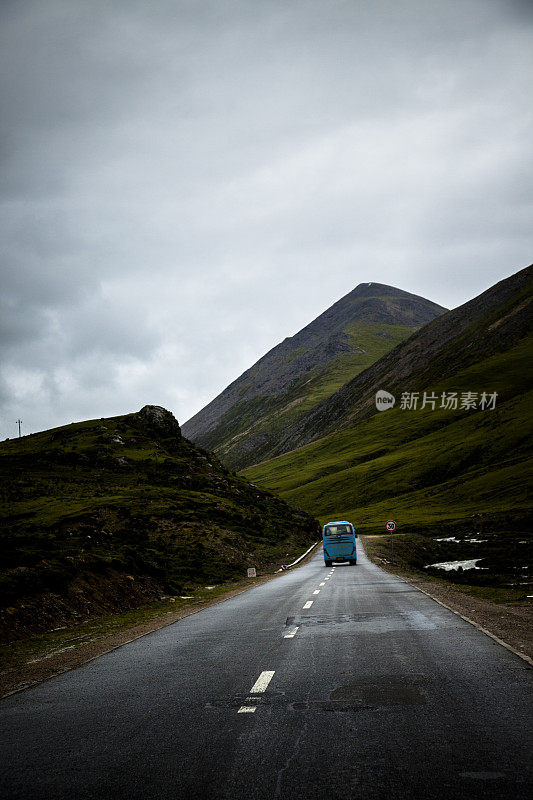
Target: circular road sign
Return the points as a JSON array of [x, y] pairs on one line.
[[390, 525]]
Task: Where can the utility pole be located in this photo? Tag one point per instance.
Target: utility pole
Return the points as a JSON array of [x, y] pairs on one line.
[[19, 423]]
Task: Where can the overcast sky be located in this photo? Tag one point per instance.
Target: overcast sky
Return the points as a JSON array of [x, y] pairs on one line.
[[187, 182]]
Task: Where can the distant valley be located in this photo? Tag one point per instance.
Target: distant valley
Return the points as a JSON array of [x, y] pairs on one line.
[[462, 474], [303, 423], [108, 514]]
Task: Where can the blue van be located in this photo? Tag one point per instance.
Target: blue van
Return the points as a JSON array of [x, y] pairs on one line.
[[338, 539]]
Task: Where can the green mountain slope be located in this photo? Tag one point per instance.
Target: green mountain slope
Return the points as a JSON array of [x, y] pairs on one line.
[[246, 422], [435, 471], [106, 514]]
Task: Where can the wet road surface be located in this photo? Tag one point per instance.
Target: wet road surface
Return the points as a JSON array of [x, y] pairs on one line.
[[340, 682]]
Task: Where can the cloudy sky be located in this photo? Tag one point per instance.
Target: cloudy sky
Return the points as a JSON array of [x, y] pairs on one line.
[[186, 182]]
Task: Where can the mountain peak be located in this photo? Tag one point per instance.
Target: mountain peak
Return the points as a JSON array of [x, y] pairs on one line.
[[372, 286], [302, 370], [385, 292]]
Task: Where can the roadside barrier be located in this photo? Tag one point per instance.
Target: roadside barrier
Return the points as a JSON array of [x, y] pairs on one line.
[[288, 566]]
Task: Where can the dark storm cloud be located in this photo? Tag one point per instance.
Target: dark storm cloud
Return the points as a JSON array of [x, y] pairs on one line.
[[184, 184]]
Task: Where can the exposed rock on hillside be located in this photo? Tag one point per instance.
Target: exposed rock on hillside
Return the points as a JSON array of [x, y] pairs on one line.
[[159, 421]]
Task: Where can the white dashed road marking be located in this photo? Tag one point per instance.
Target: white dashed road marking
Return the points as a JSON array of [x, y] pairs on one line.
[[247, 709], [266, 676], [262, 682], [258, 688]]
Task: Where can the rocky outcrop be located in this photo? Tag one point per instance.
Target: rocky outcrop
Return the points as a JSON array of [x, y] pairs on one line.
[[158, 421]]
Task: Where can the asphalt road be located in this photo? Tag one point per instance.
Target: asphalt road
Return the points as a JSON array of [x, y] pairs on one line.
[[373, 691]]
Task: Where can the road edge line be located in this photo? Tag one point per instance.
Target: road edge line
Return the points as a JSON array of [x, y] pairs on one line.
[[475, 624], [493, 636]]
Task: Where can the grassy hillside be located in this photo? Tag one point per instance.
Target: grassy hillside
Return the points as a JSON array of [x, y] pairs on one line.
[[246, 421], [423, 465], [106, 514], [487, 325], [438, 472]]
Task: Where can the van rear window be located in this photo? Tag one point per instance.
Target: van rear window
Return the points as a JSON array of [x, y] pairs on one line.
[[335, 530]]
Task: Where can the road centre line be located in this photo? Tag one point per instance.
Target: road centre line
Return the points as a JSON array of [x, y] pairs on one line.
[[308, 604], [292, 633], [322, 584], [262, 682], [258, 688], [247, 709], [317, 591]]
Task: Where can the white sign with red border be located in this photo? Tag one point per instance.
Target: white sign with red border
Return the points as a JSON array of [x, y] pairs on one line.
[[390, 525]]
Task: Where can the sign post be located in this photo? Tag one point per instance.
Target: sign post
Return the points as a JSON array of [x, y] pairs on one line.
[[390, 526]]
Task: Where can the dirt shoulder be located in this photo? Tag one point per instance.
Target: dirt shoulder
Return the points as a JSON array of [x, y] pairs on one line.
[[37, 659], [511, 623]]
